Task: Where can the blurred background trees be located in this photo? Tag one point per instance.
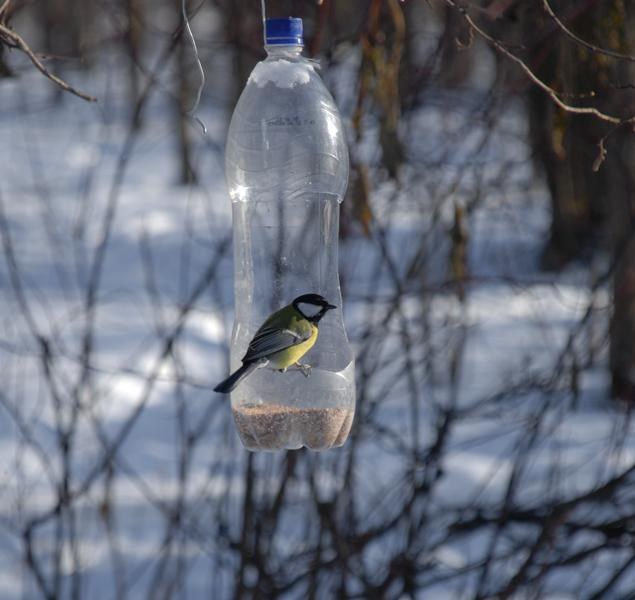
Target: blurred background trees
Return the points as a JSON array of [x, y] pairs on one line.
[[464, 121]]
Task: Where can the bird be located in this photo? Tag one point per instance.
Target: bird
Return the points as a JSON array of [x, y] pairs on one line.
[[282, 340]]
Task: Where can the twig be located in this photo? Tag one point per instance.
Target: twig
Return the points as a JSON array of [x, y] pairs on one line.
[[553, 94], [15, 40], [582, 42], [617, 122]]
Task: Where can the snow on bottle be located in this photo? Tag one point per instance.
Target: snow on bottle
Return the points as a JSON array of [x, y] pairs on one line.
[[287, 170]]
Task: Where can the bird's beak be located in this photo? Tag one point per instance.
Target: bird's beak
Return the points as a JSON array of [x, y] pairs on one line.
[[330, 306]]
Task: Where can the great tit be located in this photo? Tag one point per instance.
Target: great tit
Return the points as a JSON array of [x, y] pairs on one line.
[[282, 340]]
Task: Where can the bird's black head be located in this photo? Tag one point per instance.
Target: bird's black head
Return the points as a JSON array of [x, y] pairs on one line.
[[312, 306]]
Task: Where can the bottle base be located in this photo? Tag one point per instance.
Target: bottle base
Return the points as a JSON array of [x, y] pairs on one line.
[[278, 426]]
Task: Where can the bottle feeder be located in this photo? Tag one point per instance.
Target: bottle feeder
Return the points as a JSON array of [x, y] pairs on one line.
[[287, 171]]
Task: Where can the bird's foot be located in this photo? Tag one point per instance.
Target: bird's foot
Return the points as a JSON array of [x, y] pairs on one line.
[[306, 369]]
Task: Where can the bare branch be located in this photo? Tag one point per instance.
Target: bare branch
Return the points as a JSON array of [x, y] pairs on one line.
[[15, 40], [582, 42], [553, 94]]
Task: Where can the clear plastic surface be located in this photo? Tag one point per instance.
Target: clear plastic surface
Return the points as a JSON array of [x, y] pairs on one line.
[[287, 171]]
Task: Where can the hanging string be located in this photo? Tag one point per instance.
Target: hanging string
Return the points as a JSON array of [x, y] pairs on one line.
[[201, 72], [264, 22]]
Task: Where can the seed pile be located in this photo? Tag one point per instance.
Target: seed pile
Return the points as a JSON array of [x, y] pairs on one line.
[[276, 426]]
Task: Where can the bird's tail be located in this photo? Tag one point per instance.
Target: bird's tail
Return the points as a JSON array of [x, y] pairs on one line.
[[229, 384]]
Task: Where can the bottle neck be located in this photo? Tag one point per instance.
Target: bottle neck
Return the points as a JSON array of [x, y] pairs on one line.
[[283, 51]]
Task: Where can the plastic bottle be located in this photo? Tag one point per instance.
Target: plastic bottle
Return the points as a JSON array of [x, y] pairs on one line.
[[287, 171]]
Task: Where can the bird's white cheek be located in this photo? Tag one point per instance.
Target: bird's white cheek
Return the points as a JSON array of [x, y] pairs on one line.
[[309, 310]]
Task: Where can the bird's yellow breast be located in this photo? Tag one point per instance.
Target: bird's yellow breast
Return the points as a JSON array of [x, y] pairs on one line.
[[290, 356]]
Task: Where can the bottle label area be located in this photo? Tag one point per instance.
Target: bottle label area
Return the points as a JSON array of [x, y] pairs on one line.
[[294, 121]]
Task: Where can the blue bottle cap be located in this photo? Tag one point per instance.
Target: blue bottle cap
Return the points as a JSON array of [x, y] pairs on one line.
[[285, 31]]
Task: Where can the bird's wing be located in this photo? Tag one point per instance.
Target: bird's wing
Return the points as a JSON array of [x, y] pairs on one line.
[[269, 340]]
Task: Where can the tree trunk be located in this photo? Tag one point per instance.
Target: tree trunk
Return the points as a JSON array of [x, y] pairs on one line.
[[622, 331], [5, 71], [134, 14], [187, 173], [592, 201]]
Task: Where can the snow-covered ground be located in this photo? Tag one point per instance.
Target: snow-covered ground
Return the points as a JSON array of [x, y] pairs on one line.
[[479, 429]]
